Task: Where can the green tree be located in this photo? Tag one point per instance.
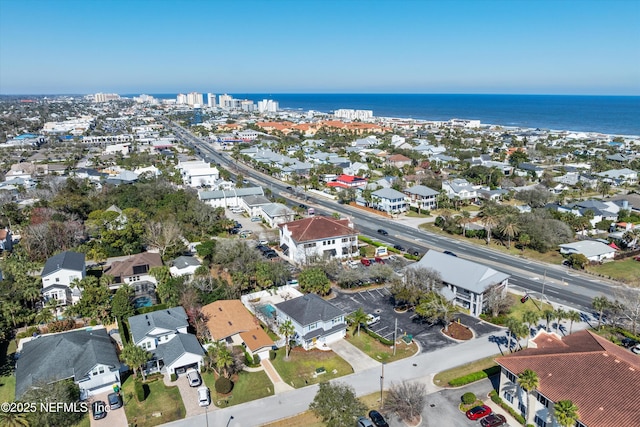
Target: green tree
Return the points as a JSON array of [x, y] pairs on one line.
[[509, 228], [95, 302], [224, 361], [566, 413], [548, 315], [600, 304], [578, 261], [135, 357], [287, 330], [490, 217], [14, 419], [436, 307], [530, 318], [314, 280], [121, 304], [524, 240], [65, 391], [337, 405], [528, 381], [572, 316], [358, 317], [559, 314]]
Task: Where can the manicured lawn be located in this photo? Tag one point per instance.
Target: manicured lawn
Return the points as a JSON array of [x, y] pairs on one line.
[[443, 378], [246, 387], [412, 214], [378, 351], [7, 378], [624, 270], [518, 308], [161, 400], [300, 369]]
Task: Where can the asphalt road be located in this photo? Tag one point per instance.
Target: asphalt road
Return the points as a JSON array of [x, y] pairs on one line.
[[553, 282]]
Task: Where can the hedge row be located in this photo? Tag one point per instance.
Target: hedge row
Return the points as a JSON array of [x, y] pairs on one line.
[[475, 376], [377, 244], [497, 399], [378, 337]]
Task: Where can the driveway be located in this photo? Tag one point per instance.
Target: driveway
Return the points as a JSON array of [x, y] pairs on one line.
[[358, 360], [189, 395], [378, 302], [114, 418]]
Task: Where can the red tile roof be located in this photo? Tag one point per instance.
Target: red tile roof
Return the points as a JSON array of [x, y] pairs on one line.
[[601, 378], [318, 228]]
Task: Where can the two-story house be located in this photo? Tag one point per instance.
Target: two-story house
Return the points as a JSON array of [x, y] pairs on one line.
[[88, 357], [422, 197], [460, 188], [134, 271], [317, 322], [466, 281], [388, 200], [164, 334], [318, 237], [59, 272]]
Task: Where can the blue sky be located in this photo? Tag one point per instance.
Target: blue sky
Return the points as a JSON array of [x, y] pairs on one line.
[[327, 46]]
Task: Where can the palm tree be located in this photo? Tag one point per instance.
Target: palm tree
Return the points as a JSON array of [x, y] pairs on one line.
[[514, 327], [600, 304], [490, 218], [566, 413], [548, 315], [224, 360], [572, 316], [14, 419], [604, 188], [135, 357], [524, 240], [528, 381], [463, 220], [287, 329], [509, 228], [559, 314], [358, 317], [530, 318]]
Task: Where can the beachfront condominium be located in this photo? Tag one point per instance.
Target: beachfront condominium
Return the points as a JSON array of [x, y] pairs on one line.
[[105, 97], [267, 106], [211, 100], [195, 98]]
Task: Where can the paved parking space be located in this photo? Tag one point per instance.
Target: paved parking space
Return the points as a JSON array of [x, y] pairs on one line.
[[189, 396], [378, 302], [114, 418]]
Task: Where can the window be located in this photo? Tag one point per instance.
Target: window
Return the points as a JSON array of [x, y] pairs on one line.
[[98, 370], [57, 279], [344, 239], [540, 422], [511, 377], [508, 396], [542, 400]]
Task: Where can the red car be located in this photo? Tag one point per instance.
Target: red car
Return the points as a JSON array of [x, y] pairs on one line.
[[493, 420], [379, 260], [478, 412], [365, 262]]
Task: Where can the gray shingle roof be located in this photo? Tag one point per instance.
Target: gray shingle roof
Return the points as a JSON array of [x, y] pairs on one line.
[[171, 350], [170, 319], [421, 190], [461, 272], [65, 260], [309, 309], [388, 193], [56, 357], [185, 261], [275, 209], [588, 248]]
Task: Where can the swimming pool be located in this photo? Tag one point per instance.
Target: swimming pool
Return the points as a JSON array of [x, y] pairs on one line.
[[142, 302], [268, 310]]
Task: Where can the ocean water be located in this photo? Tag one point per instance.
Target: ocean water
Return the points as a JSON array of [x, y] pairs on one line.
[[616, 115]]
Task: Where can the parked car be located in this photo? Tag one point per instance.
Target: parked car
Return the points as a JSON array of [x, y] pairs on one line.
[[379, 260], [628, 342], [365, 262], [99, 409], [493, 420], [371, 319], [377, 419], [353, 263], [204, 397], [115, 401], [398, 247], [271, 255], [478, 412], [450, 253], [636, 349], [256, 219], [194, 378], [364, 422], [383, 232]]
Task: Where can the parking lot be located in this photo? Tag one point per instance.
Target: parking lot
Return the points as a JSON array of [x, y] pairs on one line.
[[378, 302]]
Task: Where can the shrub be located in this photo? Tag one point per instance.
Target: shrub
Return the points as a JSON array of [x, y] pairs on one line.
[[468, 398], [256, 360], [474, 376], [272, 354], [224, 385], [93, 322], [378, 337], [174, 377], [138, 388], [31, 331], [497, 399]]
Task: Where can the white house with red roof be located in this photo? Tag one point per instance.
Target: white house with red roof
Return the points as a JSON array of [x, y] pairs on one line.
[[348, 181], [318, 237]]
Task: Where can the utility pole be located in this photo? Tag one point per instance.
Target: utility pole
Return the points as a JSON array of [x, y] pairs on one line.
[[543, 282], [395, 337], [382, 386]]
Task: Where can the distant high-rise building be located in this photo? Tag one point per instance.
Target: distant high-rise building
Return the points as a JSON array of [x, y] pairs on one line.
[[195, 98], [105, 97], [142, 99], [226, 101], [354, 114], [267, 106], [181, 99], [211, 100]]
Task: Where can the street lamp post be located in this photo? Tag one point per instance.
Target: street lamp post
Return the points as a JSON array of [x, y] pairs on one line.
[[382, 386]]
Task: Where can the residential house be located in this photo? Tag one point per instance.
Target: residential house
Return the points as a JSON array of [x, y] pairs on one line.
[[525, 169], [58, 274], [87, 356], [460, 188], [398, 160], [422, 197], [620, 176], [388, 200], [593, 250], [229, 321], [357, 168], [184, 266], [164, 334], [318, 237], [317, 322], [275, 214], [348, 181], [198, 173], [601, 378], [467, 281], [134, 271], [228, 198], [253, 204]]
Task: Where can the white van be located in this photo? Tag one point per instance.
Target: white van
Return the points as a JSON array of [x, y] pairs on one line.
[[204, 397]]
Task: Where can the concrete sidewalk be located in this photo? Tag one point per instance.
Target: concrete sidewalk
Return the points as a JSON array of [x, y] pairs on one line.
[[279, 386]]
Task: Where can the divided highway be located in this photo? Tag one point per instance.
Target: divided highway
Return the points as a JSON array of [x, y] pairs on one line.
[[555, 283]]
